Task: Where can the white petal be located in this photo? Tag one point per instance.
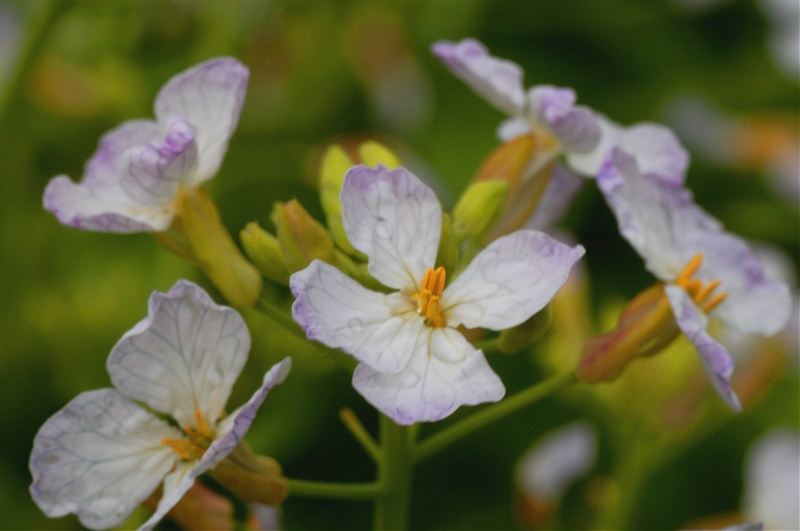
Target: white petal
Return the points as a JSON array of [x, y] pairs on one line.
[[556, 460], [376, 329], [657, 219], [99, 457], [184, 356], [106, 164], [394, 219], [772, 480], [716, 361], [512, 128], [230, 433], [431, 388], [509, 281], [176, 484], [210, 97], [128, 187], [152, 174], [497, 80], [755, 304], [575, 127]]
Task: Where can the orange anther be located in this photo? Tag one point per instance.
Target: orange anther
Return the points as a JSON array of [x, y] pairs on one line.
[[182, 447], [702, 294], [202, 426], [714, 302], [428, 297], [690, 269]]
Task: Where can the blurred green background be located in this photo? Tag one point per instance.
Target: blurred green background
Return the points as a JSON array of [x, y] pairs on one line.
[[326, 70]]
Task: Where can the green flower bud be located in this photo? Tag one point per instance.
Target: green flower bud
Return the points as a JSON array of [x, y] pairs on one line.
[[302, 239], [479, 208], [264, 250]]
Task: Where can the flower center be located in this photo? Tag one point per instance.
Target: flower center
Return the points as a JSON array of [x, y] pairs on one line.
[[197, 441], [702, 295], [429, 296]]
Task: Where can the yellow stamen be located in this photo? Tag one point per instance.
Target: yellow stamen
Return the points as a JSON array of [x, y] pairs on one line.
[[202, 426], [713, 303], [182, 447], [429, 294], [696, 289]]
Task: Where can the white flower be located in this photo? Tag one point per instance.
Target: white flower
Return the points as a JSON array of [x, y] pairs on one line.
[[414, 364], [772, 480], [103, 454], [706, 270], [134, 180]]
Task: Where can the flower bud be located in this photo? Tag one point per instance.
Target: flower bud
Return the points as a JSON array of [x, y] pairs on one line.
[[201, 237], [373, 153], [479, 208], [447, 255], [252, 478], [264, 250], [645, 327], [302, 239]]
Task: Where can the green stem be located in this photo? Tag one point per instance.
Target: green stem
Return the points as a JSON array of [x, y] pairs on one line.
[[447, 436], [354, 426], [36, 31], [342, 491], [395, 475]]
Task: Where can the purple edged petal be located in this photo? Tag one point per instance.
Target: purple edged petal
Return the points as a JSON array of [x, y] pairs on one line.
[[393, 218], [654, 147], [127, 188], [184, 356], [575, 127], [231, 431], [657, 219], [444, 373], [378, 330], [755, 304], [509, 281], [716, 361], [208, 96], [556, 199], [106, 164], [499, 81], [152, 174], [99, 457]]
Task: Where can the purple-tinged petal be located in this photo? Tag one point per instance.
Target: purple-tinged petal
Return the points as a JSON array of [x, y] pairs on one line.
[[655, 149], [128, 186], [103, 209], [209, 96], [184, 356], [106, 165], [716, 361], [99, 457], [657, 219], [378, 330], [152, 174], [497, 80], [231, 431], [755, 304], [444, 373], [396, 220], [575, 127], [556, 199], [509, 281]]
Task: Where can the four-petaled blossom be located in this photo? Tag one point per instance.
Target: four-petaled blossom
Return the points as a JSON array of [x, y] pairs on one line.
[[584, 137], [414, 364], [706, 270], [134, 180], [103, 454]]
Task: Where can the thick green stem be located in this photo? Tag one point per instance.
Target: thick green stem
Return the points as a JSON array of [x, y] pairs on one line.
[[395, 475], [343, 491], [447, 436]]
